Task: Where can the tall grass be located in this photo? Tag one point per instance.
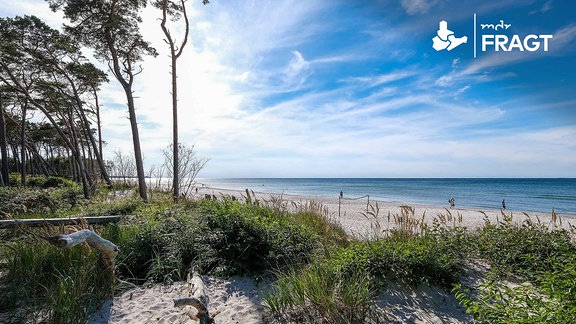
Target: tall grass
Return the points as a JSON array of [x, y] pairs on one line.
[[320, 274], [321, 294], [52, 285], [324, 291]]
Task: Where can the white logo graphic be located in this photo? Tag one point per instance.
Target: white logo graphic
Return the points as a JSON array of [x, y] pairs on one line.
[[446, 39]]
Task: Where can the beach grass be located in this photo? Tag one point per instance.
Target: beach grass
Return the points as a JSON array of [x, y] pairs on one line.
[[318, 272], [532, 273]]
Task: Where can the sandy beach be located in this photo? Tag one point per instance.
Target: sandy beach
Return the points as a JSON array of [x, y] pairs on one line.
[[352, 213], [238, 300]]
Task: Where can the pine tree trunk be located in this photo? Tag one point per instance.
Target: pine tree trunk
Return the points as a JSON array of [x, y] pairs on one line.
[[23, 147], [97, 153], [176, 147], [137, 148], [3, 147]]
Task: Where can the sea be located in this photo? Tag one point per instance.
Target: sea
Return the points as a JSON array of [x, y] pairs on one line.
[[520, 194]]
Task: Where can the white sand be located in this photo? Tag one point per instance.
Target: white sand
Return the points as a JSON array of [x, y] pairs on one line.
[[231, 301], [351, 213], [239, 300]]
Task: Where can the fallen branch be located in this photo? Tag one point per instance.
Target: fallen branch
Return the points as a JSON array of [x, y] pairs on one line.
[[108, 250], [197, 298], [37, 222]]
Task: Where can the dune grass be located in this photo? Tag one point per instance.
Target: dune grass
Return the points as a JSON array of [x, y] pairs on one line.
[[532, 277], [159, 242], [319, 274]]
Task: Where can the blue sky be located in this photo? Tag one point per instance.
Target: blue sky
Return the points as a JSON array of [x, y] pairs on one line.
[[354, 89]]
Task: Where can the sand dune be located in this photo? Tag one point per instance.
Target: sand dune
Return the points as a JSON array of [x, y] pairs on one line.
[[238, 300]]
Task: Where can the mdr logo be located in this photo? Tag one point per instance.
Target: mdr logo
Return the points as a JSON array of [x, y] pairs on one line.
[[490, 37]]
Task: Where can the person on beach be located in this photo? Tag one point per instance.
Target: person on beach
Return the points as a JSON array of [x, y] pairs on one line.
[[503, 204], [452, 202]]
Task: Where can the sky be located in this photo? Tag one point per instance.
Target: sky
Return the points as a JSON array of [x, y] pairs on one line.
[[333, 88]]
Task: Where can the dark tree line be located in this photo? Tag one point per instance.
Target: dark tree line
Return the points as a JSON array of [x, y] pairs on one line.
[[48, 87], [47, 84]]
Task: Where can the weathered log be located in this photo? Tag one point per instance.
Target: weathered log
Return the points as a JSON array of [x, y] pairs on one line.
[[107, 249], [37, 222], [198, 298]]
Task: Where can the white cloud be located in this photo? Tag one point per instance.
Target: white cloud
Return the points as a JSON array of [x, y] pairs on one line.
[[243, 56], [413, 7], [297, 70], [373, 81], [563, 39]]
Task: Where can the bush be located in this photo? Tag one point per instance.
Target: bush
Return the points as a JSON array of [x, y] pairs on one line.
[[221, 238], [414, 260], [17, 201], [152, 249], [49, 182], [545, 258], [522, 250], [234, 238]]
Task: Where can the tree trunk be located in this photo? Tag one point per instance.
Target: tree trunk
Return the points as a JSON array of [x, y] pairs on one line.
[[36, 222], [174, 55], [137, 149], [23, 146], [16, 158], [176, 147], [41, 163], [97, 152], [3, 147], [19, 87], [79, 158], [99, 126]]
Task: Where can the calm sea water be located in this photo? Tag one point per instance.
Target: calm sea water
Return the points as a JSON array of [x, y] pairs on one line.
[[529, 195]]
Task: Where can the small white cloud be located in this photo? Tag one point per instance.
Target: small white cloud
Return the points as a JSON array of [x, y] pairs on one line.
[[373, 81], [413, 7], [562, 38], [297, 70], [462, 90], [455, 62]]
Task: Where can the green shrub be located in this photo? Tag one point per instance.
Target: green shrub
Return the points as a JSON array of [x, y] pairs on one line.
[[17, 201], [126, 205], [152, 249], [545, 258], [522, 250], [234, 238], [49, 182], [222, 238], [414, 260]]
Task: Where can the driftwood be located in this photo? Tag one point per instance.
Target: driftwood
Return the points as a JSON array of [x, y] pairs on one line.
[[107, 249], [37, 222], [198, 298]]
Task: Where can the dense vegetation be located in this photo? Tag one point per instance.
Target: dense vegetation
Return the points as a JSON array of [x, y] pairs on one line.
[[318, 273]]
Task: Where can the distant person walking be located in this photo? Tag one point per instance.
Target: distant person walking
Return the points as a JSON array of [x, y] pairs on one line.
[[340, 202], [503, 204], [452, 202]]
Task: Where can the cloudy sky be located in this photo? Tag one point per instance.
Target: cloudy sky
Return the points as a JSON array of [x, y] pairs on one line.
[[354, 88]]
